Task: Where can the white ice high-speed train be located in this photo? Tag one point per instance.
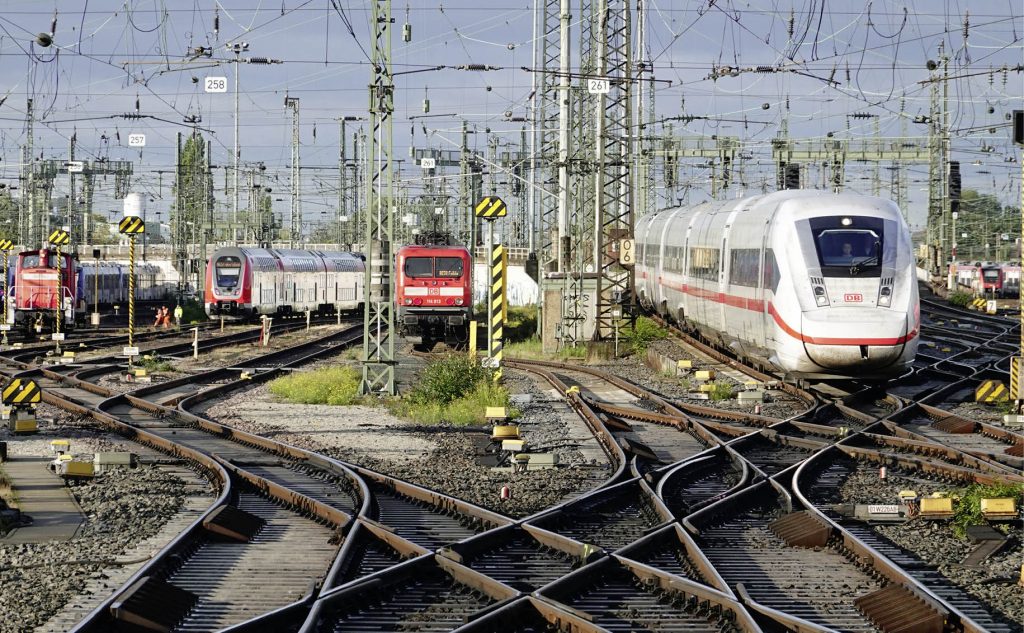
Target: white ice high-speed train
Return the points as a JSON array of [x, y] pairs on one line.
[[813, 283]]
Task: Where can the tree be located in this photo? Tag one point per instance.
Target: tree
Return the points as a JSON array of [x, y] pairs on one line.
[[983, 220], [9, 215]]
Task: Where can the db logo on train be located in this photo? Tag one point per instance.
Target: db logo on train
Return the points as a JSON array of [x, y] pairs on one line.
[[433, 291], [853, 297]]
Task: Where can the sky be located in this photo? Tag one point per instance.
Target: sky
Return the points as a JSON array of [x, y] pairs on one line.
[[831, 60]]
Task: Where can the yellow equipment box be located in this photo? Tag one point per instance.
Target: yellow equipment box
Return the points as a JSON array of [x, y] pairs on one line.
[[941, 508], [1001, 508]]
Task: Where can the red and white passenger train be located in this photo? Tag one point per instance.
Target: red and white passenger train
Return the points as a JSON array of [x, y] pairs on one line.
[[813, 283], [433, 292], [248, 282]]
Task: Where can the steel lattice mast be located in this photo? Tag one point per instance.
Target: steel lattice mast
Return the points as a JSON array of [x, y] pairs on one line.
[[378, 322], [614, 198]]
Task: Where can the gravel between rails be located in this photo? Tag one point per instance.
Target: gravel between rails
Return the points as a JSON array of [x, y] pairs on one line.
[[442, 458], [777, 404], [125, 512], [935, 543]]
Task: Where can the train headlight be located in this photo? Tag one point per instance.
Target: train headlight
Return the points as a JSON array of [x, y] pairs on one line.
[[417, 302], [459, 301], [408, 301], [820, 296], [885, 296]]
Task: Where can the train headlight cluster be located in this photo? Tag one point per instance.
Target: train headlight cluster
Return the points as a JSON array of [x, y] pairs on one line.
[[820, 295], [407, 301], [885, 296]]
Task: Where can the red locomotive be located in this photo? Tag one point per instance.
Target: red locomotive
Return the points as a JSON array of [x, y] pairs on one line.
[[35, 293], [433, 293]]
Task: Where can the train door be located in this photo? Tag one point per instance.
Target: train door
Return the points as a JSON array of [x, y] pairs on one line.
[[765, 284], [723, 284]]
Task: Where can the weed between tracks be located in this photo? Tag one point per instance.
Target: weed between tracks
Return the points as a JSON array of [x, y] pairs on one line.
[[968, 509], [960, 299], [329, 385]]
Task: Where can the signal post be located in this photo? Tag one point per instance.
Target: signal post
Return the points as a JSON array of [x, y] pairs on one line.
[[59, 238], [6, 246], [132, 226], [1017, 362], [491, 208]]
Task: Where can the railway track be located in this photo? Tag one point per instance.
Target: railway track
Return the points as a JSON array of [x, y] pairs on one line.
[[701, 525], [819, 482]]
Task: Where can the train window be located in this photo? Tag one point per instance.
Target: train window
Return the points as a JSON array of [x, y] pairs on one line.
[[743, 266], [990, 274], [419, 267], [450, 267], [770, 271], [704, 263], [30, 261], [848, 245]]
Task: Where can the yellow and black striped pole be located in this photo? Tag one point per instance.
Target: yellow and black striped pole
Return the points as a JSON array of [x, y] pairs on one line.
[[496, 311], [7, 298], [60, 298], [131, 294]]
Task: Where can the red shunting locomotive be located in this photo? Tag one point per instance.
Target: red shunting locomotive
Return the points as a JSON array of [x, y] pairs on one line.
[[433, 293]]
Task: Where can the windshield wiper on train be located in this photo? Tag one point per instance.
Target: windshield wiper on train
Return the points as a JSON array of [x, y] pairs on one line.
[[870, 260]]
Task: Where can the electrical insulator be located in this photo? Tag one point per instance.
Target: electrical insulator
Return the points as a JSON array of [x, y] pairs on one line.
[[426, 105], [406, 32]]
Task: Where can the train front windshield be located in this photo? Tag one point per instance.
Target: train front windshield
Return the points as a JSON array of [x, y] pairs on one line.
[[849, 246], [32, 261], [442, 267], [990, 274], [228, 269]]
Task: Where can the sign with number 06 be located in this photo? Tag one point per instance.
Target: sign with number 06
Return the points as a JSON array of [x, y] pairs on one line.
[[216, 84], [136, 140]]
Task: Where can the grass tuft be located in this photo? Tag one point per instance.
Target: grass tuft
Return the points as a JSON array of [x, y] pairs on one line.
[[721, 390], [644, 332], [330, 385], [151, 364], [960, 299]]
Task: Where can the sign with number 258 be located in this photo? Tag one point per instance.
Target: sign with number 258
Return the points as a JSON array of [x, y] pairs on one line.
[[216, 84]]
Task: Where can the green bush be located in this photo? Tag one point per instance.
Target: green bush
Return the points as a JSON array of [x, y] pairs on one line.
[[968, 509], [521, 324], [960, 299], [721, 390], [644, 332], [448, 379], [330, 385]]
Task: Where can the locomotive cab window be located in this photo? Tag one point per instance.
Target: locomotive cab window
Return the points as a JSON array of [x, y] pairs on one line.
[[849, 246], [448, 267], [228, 270], [417, 267]]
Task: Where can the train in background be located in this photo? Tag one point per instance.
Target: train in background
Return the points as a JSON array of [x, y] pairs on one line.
[[249, 282], [810, 283], [33, 290], [988, 279], [433, 294]]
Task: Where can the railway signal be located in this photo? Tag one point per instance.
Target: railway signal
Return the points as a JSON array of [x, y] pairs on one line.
[[491, 208], [131, 226], [59, 238], [6, 246]]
